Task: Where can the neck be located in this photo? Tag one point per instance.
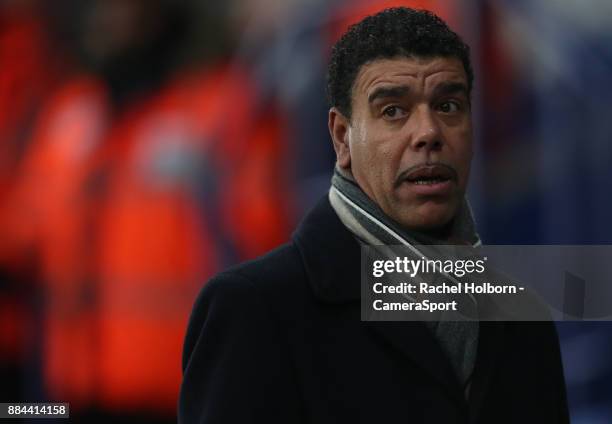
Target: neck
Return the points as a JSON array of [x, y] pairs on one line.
[[444, 233], [459, 231]]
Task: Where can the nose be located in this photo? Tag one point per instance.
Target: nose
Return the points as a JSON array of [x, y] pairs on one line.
[[427, 134]]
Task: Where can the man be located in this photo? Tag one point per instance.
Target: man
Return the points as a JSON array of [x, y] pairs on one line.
[[280, 340]]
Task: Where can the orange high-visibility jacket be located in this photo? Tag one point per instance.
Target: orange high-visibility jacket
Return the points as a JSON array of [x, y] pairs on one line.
[[27, 73], [131, 213]]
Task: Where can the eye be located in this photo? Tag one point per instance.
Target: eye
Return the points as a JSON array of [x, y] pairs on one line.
[[393, 112], [450, 106]]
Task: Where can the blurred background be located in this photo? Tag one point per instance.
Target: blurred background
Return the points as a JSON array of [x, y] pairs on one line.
[[147, 144]]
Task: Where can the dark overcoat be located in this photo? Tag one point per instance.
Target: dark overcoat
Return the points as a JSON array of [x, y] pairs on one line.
[[280, 340]]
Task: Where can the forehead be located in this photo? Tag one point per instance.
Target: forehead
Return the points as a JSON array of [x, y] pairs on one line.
[[417, 73]]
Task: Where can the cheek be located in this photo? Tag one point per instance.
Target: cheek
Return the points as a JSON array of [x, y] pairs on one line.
[[362, 149], [381, 154], [368, 161], [388, 157], [463, 149]]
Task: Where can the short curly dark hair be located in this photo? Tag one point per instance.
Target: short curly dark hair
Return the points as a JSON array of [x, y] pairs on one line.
[[398, 31]]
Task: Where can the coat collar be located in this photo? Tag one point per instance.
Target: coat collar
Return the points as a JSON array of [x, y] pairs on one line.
[[331, 255], [332, 260]]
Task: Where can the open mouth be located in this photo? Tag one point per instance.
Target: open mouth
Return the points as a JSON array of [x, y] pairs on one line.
[[427, 181], [429, 175]]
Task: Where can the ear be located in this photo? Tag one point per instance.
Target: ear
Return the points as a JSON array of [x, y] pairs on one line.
[[339, 130]]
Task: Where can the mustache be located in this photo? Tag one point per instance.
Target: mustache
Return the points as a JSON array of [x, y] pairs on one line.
[[404, 174]]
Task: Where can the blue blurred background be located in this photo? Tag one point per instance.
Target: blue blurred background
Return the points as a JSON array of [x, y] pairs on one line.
[[147, 144]]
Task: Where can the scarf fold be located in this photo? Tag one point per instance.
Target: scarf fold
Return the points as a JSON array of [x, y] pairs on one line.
[[371, 226]]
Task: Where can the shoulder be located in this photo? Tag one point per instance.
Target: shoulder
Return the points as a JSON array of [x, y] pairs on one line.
[[274, 274], [249, 295], [237, 345], [277, 273]]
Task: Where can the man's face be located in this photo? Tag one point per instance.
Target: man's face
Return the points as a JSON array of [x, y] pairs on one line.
[[409, 141]]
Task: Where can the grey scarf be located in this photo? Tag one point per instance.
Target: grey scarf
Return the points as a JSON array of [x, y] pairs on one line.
[[458, 339]]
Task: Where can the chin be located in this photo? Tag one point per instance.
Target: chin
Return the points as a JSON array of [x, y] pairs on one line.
[[428, 217]]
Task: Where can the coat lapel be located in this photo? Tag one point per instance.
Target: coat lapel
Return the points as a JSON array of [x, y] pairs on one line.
[[332, 260], [415, 341], [489, 349]]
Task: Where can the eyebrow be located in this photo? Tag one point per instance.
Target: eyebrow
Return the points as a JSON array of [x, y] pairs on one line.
[[388, 92], [447, 88], [395, 92]]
